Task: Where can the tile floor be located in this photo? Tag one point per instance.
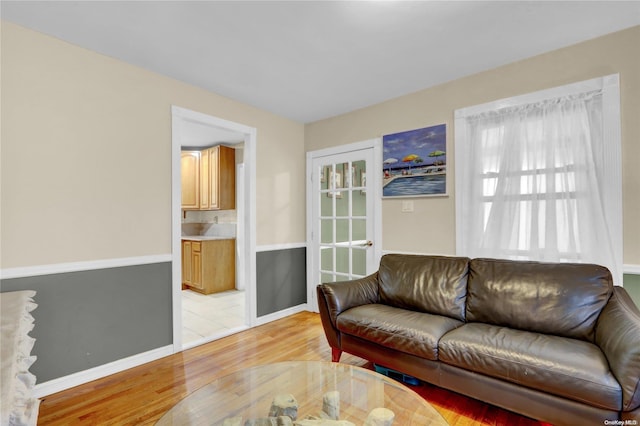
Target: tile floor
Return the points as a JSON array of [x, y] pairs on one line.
[[204, 316]]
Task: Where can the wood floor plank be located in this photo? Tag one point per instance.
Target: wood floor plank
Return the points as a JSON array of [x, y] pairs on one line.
[[141, 395]]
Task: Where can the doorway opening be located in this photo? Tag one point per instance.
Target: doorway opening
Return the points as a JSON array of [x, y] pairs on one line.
[[196, 317]]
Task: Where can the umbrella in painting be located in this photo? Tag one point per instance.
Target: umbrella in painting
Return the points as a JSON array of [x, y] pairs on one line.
[[389, 162], [437, 154], [410, 159]]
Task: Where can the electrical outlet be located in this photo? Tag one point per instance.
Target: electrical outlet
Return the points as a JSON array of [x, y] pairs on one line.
[[407, 206]]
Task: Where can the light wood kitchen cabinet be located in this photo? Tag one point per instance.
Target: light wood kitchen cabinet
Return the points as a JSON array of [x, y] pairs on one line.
[[209, 266], [205, 180], [190, 176], [186, 263], [214, 179], [220, 186], [196, 266]]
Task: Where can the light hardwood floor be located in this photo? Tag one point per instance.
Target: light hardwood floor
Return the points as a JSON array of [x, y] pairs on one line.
[[141, 395]]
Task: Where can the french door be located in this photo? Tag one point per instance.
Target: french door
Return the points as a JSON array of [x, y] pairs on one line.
[[341, 218]]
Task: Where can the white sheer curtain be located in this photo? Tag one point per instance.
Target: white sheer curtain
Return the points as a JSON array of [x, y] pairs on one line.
[[530, 182]]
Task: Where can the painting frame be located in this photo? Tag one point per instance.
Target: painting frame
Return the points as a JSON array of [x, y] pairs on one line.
[[414, 163]]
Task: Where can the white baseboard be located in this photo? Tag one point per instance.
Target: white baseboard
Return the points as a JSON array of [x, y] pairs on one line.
[[281, 314], [86, 376]]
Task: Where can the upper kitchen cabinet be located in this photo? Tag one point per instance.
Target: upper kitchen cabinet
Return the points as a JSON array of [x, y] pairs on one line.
[[215, 179], [222, 178], [190, 172]]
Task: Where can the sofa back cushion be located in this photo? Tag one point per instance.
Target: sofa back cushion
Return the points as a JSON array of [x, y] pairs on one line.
[[563, 299], [432, 284]]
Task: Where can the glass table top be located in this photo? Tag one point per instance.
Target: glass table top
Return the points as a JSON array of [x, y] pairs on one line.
[[315, 386]]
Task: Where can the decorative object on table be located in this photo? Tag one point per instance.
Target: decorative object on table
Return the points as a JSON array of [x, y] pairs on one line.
[[380, 417], [331, 405], [284, 405], [415, 163], [284, 412]]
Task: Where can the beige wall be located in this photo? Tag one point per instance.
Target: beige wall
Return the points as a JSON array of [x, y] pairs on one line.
[[86, 156], [85, 153], [431, 228]]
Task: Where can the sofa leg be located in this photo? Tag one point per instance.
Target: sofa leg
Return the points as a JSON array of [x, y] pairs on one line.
[[335, 354]]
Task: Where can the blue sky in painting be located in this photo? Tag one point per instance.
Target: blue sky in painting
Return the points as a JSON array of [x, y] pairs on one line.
[[420, 142]]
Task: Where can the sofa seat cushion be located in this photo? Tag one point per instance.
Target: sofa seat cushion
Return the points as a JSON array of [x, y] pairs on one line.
[[570, 368], [415, 333]]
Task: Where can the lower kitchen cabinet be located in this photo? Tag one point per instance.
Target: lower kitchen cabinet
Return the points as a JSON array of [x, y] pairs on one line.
[[209, 266]]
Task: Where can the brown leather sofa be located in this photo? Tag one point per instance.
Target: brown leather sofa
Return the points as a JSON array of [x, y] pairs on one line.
[[553, 341]]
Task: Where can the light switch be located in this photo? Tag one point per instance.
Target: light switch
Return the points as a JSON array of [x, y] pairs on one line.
[[407, 206]]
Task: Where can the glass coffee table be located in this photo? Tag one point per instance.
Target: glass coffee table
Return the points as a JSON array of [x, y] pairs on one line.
[[249, 394]]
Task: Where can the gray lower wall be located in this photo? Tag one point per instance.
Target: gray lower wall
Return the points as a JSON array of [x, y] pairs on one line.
[[90, 318], [632, 285], [281, 279]]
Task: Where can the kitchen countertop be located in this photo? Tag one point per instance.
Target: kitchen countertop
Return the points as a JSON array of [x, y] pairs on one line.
[[205, 237]]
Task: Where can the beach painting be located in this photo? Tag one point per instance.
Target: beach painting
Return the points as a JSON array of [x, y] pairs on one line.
[[414, 163]]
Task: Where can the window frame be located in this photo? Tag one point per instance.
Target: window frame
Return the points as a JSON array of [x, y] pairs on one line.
[[610, 170]]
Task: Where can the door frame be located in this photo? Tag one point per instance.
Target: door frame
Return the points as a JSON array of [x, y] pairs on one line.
[[179, 116], [374, 180]]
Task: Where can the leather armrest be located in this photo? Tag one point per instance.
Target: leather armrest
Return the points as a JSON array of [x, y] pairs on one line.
[[334, 298], [345, 295], [618, 335]]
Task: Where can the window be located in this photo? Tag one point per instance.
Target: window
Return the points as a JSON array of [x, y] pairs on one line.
[[538, 176]]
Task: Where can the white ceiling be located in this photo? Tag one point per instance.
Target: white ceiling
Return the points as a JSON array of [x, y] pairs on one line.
[[309, 60]]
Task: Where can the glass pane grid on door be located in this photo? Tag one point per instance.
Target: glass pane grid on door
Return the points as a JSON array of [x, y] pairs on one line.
[[342, 221]]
